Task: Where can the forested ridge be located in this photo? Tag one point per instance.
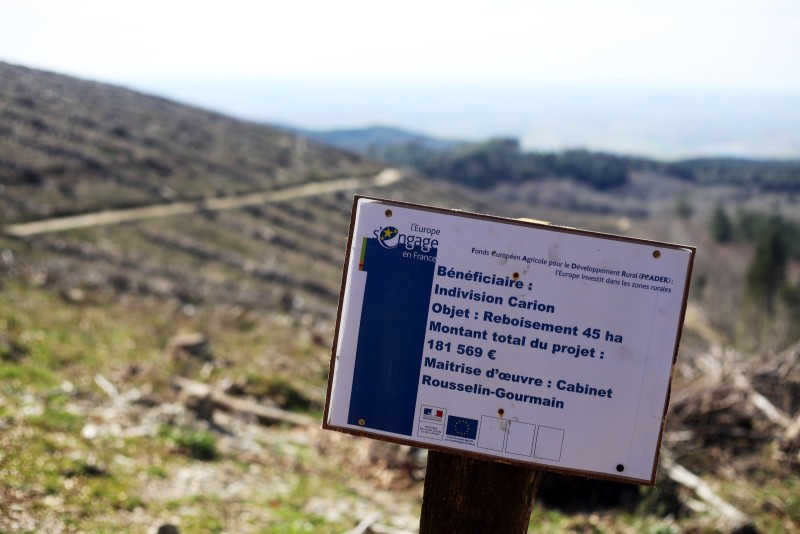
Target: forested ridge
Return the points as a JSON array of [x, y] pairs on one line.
[[496, 161]]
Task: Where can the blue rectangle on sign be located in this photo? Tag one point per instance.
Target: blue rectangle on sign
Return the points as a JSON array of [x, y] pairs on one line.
[[391, 338], [462, 427]]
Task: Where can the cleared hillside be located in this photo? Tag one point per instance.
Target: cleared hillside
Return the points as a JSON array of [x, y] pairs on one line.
[[94, 320], [70, 146], [105, 331]]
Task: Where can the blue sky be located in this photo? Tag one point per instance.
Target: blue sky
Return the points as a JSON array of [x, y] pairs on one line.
[[216, 53]]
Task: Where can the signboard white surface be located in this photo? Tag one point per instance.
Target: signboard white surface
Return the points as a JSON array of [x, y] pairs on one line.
[[498, 338]]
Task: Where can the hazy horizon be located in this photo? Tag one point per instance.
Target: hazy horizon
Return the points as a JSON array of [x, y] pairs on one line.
[[662, 123], [668, 80]]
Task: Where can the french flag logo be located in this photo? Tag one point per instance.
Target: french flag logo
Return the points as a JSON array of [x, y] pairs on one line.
[[432, 413]]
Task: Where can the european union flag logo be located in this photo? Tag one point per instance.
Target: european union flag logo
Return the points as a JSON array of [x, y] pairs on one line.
[[462, 427]]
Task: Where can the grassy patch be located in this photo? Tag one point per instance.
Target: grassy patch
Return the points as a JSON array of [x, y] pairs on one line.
[[779, 504], [197, 444], [207, 515], [57, 420], [51, 462], [279, 390], [50, 340], [16, 377], [291, 516]]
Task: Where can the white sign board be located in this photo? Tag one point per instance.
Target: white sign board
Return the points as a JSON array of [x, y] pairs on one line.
[[498, 338]]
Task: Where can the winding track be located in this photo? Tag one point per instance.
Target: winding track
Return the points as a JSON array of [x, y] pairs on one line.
[[100, 218]]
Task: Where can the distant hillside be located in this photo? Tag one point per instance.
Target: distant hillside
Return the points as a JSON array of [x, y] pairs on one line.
[[374, 141]]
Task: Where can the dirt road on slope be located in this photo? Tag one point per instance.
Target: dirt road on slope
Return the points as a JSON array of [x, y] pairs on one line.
[[101, 218]]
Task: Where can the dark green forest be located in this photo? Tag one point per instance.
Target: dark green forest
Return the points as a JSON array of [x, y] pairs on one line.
[[776, 240], [486, 164]]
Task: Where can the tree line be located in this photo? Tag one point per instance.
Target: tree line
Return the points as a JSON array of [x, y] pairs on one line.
[[768, 292], [486, 164], [766, 175]]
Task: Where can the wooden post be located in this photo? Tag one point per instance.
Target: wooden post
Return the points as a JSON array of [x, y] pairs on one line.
[[467, 495]]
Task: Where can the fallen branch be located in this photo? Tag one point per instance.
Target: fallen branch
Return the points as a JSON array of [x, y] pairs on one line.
[[209, 399], [772, 412], [365, 524], [788, 361], [731, 515], [104, 384], [382, 529], [790, 442]]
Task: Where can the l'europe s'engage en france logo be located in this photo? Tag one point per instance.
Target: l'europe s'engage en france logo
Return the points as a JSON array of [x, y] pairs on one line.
[[419, 238], [389, 237]]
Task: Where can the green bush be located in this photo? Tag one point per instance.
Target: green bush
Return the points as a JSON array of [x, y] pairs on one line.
[[198, 444]]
